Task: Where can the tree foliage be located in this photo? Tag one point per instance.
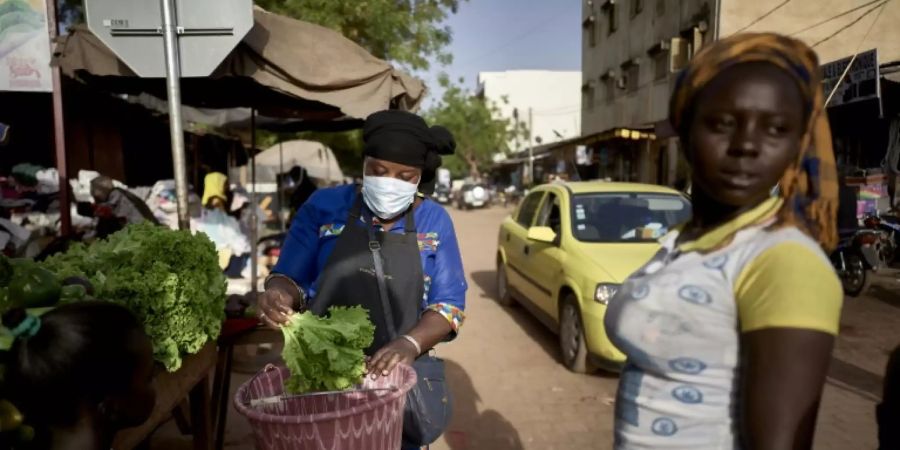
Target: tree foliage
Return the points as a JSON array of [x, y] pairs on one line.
[[478, 127], [408, 32]]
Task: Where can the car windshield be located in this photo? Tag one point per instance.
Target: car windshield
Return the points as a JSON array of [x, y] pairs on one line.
[[627, 217]]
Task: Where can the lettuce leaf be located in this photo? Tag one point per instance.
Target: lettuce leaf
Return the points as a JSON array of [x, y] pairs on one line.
[[170, 279], [326, 353]]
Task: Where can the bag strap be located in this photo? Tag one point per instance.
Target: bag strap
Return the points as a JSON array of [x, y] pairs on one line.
[[375, 247]]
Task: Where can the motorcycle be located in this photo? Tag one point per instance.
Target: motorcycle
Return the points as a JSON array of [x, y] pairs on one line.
[[889, 229], [855, 256], [269, 248], [511, 196]]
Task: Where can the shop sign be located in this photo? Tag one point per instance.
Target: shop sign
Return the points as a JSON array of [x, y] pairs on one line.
[[208, 30], [860, 84], [24, 46]]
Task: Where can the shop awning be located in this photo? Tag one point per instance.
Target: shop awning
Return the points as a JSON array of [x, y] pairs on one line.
[[547, 149], [284, 68]]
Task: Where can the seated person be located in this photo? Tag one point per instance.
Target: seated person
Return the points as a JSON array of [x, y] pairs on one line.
[[223, 229], [122, 204], [80, 373]]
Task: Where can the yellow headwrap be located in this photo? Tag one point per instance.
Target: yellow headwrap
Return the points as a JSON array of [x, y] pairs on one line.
[[214, 187], [809, 187]]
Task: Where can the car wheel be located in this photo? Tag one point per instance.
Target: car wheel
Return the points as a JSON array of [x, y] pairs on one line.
[[572, 344], [503, 296]]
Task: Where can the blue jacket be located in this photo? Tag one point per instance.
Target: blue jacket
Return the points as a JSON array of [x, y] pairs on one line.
[[321, 219]]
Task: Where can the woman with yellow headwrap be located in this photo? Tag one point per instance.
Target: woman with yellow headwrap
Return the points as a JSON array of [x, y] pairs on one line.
[[729, 328]]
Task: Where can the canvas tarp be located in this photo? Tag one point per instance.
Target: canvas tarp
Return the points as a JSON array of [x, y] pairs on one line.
[[283, 68]]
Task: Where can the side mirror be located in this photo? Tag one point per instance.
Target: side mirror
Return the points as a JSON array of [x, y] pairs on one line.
[[542, 234]]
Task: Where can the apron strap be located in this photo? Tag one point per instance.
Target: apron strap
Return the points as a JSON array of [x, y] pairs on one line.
[[375, 247], [410, 226], [356, 210]]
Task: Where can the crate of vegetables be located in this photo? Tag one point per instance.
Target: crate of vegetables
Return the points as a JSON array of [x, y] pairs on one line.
[[322, 399]]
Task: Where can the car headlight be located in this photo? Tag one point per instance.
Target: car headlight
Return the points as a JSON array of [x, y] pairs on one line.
[[605, 292]]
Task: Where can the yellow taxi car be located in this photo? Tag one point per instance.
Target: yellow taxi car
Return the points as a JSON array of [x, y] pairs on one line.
[[567, 248]]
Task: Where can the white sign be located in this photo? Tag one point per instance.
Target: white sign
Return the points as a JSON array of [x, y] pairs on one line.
[[208, 30], [24, 46], [861, 83]]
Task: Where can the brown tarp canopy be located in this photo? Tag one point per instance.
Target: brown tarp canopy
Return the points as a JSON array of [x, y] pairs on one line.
[[284, 68]]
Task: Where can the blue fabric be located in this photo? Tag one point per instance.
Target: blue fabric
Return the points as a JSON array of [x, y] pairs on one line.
[[316, 227]]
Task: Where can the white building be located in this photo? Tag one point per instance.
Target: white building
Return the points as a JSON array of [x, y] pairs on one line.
[[549, 100]]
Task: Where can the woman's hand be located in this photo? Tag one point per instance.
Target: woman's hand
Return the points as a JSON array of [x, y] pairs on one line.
[[275, 306], [397, 351]]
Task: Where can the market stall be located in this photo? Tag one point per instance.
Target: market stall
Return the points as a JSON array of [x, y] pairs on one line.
[[288, 73], [284, 68]]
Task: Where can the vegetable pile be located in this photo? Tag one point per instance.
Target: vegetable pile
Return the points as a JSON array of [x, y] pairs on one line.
[[326, 353], [25, 284], [170, 279]]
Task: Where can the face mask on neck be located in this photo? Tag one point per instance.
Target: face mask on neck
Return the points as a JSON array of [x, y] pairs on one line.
[[388, 197]]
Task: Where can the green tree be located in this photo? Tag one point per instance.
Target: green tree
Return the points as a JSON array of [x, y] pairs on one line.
[[408, 32], [476, 124]]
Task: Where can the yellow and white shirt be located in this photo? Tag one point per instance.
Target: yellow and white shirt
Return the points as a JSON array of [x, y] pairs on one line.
[[680, 317]]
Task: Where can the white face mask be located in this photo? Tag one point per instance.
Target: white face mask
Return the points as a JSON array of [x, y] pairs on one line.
[[388, 197]]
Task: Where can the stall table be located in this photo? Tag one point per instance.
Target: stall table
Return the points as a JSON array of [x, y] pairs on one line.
[[191, 380]]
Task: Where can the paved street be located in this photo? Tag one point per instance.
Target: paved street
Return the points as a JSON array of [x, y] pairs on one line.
[[511, 392]]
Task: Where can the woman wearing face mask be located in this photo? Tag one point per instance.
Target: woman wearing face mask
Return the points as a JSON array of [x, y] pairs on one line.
[[326, 259], [729, 328]]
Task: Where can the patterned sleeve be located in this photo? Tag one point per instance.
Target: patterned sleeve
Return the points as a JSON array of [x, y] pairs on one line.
[[454, 315], [447, 291]]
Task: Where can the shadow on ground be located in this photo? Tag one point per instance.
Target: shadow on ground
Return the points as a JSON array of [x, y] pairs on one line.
[[534, 328], [884, 295], [471, 429], [546, 339]]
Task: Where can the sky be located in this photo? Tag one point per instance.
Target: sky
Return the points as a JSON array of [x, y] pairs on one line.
[[496, 35]]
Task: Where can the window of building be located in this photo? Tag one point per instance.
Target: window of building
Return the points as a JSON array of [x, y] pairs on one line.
[[632, 75], [609, 83], [587, 96], [660, 65], [529, 208], [590, 30], [633, 78], [660, 8], [661, 59], [612, 15], [636, 7]]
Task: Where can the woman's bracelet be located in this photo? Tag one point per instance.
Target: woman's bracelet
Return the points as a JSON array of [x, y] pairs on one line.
[[300, 300], [414, 342]]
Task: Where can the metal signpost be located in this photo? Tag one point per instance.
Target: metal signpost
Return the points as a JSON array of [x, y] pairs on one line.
[[171, 39], [861, 83]]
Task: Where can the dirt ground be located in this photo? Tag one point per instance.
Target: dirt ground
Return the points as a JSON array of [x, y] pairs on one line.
[[510, 391]]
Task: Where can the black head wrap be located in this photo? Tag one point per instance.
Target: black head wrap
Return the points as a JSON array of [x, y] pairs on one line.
[[405, 138]]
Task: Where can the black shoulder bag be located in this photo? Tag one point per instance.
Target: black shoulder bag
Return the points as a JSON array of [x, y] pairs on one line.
[[428, 405]]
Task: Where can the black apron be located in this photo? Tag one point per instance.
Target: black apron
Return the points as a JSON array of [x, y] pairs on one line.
[[348, 278]]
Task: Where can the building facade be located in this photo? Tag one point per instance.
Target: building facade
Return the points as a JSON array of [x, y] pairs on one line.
[[632, 49], [549, 102]]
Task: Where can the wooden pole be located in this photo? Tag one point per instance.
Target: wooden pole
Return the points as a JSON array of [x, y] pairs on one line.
[[59, 130]]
